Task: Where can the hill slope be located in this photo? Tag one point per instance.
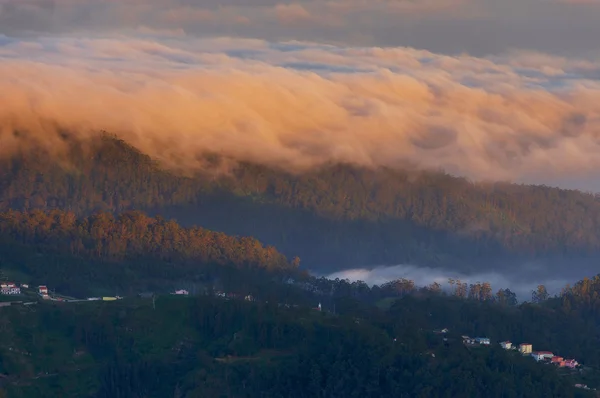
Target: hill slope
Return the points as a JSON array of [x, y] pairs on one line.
[[336, 217], [128, 252], [196, 347]]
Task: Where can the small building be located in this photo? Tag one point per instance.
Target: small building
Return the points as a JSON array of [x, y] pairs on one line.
[[10, 289], [42, 290], [109, 298], [24, 286], [482, 340], [468, 340], [559, 361], [249, 298], [507, 345], [525, 348], [181, 292], [536, 356], [542, 355], [571, 363], [441, 331]]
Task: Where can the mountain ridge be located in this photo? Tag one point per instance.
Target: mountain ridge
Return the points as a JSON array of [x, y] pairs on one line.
[[341, 216]]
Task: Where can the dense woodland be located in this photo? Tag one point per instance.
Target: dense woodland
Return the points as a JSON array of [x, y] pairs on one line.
[[209, 347], [135, 234], [337, 216], [102, 253]]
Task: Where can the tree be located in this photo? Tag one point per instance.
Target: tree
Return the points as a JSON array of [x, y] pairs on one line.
[[451, 282], [506, 297], [475, 291], [540, 294], [435, 288], [486, 291], [461, 289], [296, 262]]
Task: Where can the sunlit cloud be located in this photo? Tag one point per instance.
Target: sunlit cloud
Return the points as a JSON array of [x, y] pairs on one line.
[[525, 117]]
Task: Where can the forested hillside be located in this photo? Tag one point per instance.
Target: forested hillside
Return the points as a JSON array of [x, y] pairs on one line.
[[135, 234], [205, 346], [337, 216], [129, 251], [367, 342]]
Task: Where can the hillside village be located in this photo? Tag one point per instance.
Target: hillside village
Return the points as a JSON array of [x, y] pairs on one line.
[[525, 349], [13, 290]]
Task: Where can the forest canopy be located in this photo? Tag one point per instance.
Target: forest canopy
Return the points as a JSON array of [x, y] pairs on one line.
[[333, 217], [134, 234]]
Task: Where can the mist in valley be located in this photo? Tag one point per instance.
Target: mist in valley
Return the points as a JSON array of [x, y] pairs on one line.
[[520, 278]]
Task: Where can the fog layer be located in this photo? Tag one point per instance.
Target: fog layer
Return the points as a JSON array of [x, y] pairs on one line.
[[521, 280]]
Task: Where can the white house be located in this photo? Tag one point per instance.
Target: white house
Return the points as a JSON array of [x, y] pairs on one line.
[[482, 340], [541, 355], [181, 292], [10, 289], [507, 345]]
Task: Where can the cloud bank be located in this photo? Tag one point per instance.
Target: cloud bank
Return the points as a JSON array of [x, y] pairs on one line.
[[524, 116]]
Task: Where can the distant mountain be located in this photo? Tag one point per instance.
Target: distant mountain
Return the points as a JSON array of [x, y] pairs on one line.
[[335, 217]]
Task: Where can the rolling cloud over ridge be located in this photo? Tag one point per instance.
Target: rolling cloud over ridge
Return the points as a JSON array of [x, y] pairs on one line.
[[523, 116]]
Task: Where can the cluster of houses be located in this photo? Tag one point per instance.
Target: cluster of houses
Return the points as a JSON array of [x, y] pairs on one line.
[[475, 340], [11, 289], [234, 296], [523, 348], [541, 356]]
